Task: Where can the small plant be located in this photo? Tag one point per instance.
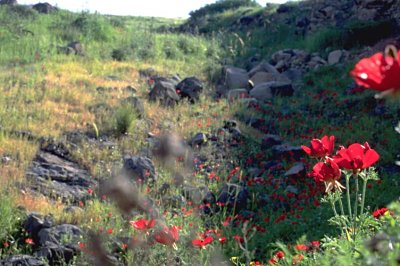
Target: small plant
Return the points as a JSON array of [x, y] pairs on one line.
[[124, 118]]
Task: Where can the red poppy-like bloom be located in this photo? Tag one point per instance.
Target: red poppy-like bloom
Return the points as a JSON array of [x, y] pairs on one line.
[[272, 261], [356, 157], [238, 238], [315, 244], [201, 243], [143, 224], [329, 173], [222, 240], [301, 247], [280, 255], [320, 147], [167, 236], [380, 212], [379, 72], [29, 241]]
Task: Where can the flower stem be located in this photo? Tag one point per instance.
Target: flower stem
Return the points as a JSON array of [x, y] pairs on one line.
[[363, 195], [356, 196], [334, 208], [348, 195], [341, 205]]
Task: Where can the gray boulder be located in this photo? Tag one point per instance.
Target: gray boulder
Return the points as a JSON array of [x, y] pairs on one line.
[[139, 168], [267, 90], [164, 92], [236, 78], [22, 260], [190, 88], [8, 2], [44, 8], [60, 235]]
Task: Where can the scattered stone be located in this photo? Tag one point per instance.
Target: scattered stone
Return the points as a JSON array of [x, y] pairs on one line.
[[164, 92], [59, 234], [198, 140], [190, 88], [286, 151], [22, 260], [296, 170], [53, 174], [44, 8], [263, 67], [263, 77], [139, 168], [34, 223], [9, 2], [270, 140], [195, 194], [236, 78], [334, 57]]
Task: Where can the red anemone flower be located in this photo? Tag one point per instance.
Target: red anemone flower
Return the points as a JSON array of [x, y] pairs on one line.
[[167, 236], [201, 243], [379, 72], [356, 157], [143, 224], [329, 173], [320, 147], [380, 212]]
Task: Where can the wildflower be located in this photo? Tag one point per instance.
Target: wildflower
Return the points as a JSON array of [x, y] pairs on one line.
[[238, 238], [273, 261], [329, 173], [297, 258], [143, 224], [320, 147], [315, 244], [280, 255], [356, 157], [379, 72], [380, 212], [301, 247], [222, 240], [29, 241], [90, 191], [201, 243], [110, 231], [167, 236]]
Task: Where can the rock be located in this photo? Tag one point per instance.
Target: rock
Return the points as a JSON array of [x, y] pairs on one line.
[[136, 104], [44, 8], [287, 151], [198, 140], [234, 196], [236, 78], [334, 57], [164, 92], [36, 222], [261, 92], [263, 77], [73, 210], [315, 62], [58, 254], [148, 72], [293, 74], [237, 94], [265, 91], [9, 2], [230, 124], [58, 177], [22, 260], [284, 8], [76, 48], [139, 168], [59, 235], [296, 170], [190, 88], [195, 194], [270, 140], [263, 67]]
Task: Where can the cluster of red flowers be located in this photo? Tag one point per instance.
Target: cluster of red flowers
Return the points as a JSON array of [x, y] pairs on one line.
[[355, 158], [165, 235], [380, 212]]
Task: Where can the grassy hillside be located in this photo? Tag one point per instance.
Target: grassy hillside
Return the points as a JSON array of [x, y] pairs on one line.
[[80, 103]]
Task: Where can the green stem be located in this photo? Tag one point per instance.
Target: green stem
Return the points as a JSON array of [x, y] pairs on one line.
[[341, 205], [334, 208], [348, 195], [363, 195], [356, 196]]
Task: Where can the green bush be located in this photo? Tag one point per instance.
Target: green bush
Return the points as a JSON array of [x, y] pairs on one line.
[[124, 117], [323, 38]]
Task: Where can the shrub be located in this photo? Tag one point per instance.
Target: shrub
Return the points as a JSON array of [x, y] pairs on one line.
[[124, 116], [119, 54]]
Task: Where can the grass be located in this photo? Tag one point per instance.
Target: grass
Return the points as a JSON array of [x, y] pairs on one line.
[[50, 94]]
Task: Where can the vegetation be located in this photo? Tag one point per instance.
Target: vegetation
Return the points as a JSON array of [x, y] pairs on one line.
[[45, 93]]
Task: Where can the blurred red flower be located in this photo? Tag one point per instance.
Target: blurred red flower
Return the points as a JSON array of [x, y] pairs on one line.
[[201, 243], [167, 236], [380, 212], [379, 72], [143, 224], [320, 147]]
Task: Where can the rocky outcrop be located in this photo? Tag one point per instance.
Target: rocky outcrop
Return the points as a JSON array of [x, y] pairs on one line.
[[44, 8]]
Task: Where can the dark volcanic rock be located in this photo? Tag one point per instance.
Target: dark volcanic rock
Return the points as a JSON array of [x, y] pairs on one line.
[[164, 92], [190, 88], [199, 139], [36, 222], [44, 8], [22, 260], [137, 167], [287, 151], [58, 234], [58, 177], [270, 140]]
